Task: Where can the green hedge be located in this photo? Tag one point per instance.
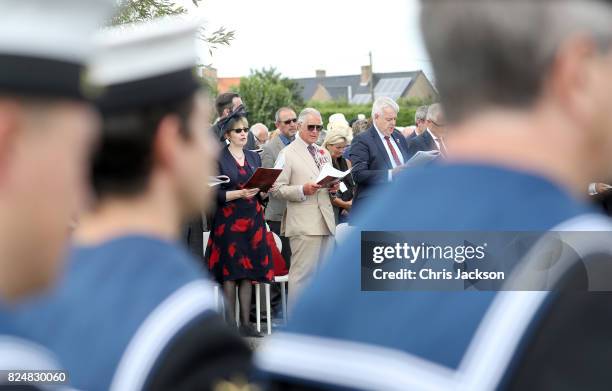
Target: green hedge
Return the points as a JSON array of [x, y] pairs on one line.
[[405, 116]]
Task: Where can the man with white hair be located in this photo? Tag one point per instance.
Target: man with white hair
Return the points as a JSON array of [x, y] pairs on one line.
[[261, 134], [308, 221], [432, 139], [379, 153]]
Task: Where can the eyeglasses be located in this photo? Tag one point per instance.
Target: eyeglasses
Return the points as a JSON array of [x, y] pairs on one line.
[[312, 128], [438, 125], [241, 130], [289, 121]]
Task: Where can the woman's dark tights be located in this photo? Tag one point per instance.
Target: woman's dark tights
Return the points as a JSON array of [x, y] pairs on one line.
[[244, 292]]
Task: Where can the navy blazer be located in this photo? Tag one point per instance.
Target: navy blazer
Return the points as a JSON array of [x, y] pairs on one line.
[[228, 166], [371, 162], [422, 142]]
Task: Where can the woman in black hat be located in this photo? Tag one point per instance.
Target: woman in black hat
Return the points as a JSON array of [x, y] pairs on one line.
[[238, 251]]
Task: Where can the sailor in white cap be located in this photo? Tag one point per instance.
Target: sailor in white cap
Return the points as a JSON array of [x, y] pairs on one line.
[[46, 131], [135, 310], [46, 128]]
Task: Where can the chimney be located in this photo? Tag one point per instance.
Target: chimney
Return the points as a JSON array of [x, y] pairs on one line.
[[210, 73], [366, 75], [320, 73]]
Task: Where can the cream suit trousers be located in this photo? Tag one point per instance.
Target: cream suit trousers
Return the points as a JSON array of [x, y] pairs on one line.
[[307, 254]]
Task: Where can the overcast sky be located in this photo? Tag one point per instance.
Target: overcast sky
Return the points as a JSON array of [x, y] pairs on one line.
[[298, 37]]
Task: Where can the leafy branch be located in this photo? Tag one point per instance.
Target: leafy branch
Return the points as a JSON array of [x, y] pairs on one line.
[[133, 11]]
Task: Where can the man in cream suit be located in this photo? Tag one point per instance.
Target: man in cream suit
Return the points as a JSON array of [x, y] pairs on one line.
[[308, 221]]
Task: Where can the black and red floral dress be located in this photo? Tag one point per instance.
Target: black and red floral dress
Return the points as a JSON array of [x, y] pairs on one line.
[[239, 243]]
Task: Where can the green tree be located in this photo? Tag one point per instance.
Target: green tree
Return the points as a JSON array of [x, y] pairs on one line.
[[263, 95], [143, 10], [275, 77]]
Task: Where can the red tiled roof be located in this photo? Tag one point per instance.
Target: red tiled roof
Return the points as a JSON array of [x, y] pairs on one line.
[[224, 84]]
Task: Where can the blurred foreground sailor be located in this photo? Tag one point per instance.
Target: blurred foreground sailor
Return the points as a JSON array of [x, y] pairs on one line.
[[46, 131], [527, 137], [134, 310]]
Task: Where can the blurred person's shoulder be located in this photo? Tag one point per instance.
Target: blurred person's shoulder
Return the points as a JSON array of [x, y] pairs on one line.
[[478, 197], [146, 256]]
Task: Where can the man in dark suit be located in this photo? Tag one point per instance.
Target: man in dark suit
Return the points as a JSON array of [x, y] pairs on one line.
[[379, 153], [432, 139], [420, 120]]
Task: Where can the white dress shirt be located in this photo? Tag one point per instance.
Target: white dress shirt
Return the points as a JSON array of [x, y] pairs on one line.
[[389, 154]]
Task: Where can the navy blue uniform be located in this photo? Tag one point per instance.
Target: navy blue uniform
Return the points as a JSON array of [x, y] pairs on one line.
[[130, 313], [342, 337]]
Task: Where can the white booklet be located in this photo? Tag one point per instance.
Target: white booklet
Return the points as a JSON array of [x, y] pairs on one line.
[[330, 176], [217, 180], [422, 157]]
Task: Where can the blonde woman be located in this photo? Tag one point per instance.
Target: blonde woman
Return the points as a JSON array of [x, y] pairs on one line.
[[336, 143]]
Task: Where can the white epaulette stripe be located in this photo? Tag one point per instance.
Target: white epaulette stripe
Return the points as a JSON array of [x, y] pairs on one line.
[[511, 313], [18, 353], [496, 339], [21, 354], [157, 330], [368, 367], [350, 364]]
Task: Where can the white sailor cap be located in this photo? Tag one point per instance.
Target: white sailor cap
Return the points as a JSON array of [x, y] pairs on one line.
[[45, 44], [145, 63]]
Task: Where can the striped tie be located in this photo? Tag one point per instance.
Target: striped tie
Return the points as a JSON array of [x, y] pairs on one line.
[[398, 162], [312, 150]]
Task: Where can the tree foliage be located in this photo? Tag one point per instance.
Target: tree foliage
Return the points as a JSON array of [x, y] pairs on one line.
[[275, 77], [265, 91], [143, 10], [404, 118], [263, 96]]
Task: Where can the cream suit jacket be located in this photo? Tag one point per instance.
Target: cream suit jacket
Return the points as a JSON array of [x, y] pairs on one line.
[[305, 215]]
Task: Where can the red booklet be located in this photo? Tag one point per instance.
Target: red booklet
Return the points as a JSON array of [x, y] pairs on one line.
[[263, 179]]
